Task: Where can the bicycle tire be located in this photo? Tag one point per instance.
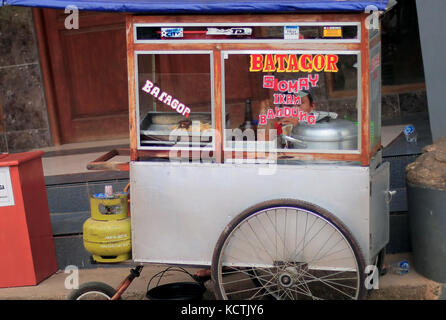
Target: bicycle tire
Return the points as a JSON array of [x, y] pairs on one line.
[[92, 289], [284, 204]]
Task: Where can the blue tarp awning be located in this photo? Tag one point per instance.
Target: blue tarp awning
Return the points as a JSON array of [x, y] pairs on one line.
[[206, 6]]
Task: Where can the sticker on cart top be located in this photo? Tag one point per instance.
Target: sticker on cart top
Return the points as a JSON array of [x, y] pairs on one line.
[[291, 32], [171, 32], [293, 63], [332, 32], [229, 32]]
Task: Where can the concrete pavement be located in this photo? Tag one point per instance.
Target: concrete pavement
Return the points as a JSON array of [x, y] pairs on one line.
[[411, 286]]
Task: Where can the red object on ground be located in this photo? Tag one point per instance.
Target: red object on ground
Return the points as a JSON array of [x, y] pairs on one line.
[[26, 239]]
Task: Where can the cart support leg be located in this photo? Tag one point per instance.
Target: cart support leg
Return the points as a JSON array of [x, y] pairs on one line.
[[134, 273], [204, 275]]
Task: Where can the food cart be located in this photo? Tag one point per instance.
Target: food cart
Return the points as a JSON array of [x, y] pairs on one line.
[[255, 144], [291, 213]]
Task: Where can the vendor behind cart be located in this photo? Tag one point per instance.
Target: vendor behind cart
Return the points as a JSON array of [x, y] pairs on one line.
[[307, 105], [286, 124]]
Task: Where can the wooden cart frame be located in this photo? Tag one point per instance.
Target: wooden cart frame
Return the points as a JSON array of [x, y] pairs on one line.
[[364, 45]]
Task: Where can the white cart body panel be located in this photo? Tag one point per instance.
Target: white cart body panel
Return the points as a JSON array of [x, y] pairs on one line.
[[179, 210]]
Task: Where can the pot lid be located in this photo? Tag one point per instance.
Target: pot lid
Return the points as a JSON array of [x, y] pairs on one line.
[[325, 131]]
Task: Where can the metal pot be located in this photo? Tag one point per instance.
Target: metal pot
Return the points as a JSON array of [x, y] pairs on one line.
[[326, 134]]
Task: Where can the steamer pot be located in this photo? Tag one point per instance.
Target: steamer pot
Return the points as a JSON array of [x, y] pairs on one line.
[[326, 134]]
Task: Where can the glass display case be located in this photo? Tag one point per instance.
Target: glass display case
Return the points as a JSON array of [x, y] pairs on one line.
[[175, 90], [248, 89]]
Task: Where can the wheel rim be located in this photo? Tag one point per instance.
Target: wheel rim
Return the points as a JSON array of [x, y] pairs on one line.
[[94, 295], [287, 253]]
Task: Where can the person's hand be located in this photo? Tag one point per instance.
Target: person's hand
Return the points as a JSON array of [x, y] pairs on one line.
[[286, 121]]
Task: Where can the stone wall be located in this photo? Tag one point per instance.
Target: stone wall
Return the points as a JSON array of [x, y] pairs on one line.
[[23, 113]]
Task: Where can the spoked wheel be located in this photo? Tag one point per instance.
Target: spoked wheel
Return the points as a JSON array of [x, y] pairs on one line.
[[289, 250], [92, 291]]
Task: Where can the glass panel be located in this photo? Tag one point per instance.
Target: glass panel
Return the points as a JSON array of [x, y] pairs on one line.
[[281, 32], [283, 97], [375, 96], [175, 100]]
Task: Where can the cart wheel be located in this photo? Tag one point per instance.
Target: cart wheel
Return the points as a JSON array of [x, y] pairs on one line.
[[287, 249], [92, 291]]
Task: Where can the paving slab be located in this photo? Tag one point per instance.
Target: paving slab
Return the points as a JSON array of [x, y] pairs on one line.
[[411, 286], [55, 287]]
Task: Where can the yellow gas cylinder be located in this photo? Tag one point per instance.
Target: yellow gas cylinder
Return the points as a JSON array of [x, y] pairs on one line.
[[107, 234]]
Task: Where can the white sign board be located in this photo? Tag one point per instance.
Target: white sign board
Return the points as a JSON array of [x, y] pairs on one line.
[[6, 194]]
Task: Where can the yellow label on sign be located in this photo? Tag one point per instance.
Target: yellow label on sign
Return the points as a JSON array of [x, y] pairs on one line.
[[332, 32]]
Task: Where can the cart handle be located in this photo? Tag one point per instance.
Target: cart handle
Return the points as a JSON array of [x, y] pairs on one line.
[[102, 162]]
